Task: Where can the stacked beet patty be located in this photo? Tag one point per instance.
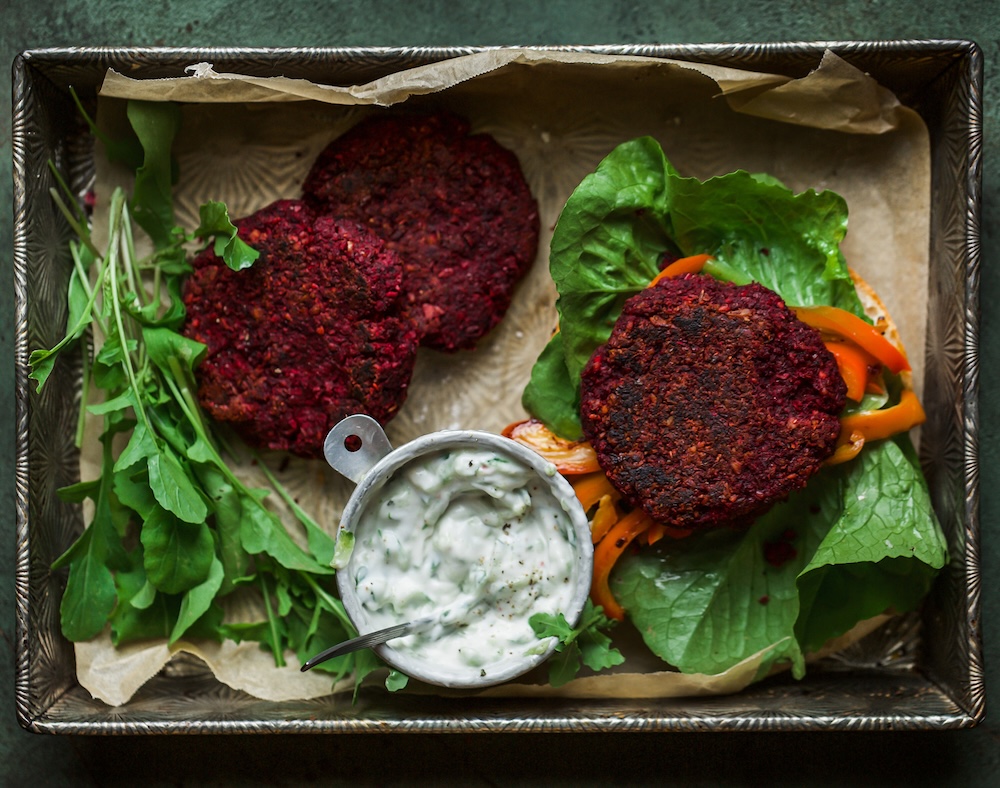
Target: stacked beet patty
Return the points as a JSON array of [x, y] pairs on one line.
[[410, 232], [710, 402], [454, 206]]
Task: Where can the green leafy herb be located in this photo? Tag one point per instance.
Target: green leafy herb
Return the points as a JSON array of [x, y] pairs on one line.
[[228, 245], [396, 681], [585, 644], [174, 529]]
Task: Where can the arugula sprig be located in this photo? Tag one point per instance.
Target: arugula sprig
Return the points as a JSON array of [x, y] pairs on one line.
[[174, 529], [585, 644]]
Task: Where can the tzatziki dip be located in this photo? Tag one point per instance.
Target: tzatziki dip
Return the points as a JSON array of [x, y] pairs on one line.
[[478, 542]]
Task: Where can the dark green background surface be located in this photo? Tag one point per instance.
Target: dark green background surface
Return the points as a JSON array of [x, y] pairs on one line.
[[954, 758]]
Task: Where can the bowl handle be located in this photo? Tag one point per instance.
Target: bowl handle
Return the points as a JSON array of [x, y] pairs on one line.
[[355, 445]]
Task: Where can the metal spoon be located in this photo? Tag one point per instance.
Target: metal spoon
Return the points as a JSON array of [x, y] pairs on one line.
[[367, 640], [450, 617]]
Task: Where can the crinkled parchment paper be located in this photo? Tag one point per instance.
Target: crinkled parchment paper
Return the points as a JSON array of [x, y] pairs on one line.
[[250, 140]]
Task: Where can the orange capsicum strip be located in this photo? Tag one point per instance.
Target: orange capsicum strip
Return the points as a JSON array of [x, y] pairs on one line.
[[848, 447], [884, 423], [604, 519], [607, 552], [872, 425], [590, 489], [830, 319], [686, 265], [657, 531], [854, 365]]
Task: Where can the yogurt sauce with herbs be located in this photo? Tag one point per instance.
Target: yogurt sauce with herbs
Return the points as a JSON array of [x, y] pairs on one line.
[[474, 539]]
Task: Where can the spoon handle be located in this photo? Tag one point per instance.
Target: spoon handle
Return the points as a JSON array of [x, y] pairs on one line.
[[362, 641]]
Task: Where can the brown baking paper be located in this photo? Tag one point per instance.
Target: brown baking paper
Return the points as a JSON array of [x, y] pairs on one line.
[[249, 140]]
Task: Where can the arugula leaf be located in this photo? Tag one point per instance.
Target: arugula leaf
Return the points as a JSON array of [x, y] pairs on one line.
[[140, 613], [585, 643], [90, 591], [175, 354], [132, 488], [128, 151], [173, 487], [90, 594], [141, 446], [155, 124], [81, 299], [262, 532], [234, 252], [177, 555], [227, 510], [198, 600], [202, 532]]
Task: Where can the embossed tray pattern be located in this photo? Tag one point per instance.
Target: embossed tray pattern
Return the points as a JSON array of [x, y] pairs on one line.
[[919, 672]]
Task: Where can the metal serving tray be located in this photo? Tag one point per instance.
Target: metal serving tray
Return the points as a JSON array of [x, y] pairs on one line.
[[920, 672]]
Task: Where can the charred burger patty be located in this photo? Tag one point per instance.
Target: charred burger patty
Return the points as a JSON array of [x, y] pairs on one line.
[[454, 206], [710, 402], [306, 336]]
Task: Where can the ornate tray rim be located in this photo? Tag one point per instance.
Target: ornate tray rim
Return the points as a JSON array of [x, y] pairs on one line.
[[954, 701]]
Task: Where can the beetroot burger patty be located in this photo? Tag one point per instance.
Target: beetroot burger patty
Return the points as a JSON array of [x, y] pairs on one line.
[[307, 335], [455, 207], [710, 402]]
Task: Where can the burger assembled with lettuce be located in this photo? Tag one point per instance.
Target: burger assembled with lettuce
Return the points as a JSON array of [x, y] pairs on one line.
[[732, 405]]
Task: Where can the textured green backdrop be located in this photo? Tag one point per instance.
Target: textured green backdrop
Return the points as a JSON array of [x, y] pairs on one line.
[[954, 758]]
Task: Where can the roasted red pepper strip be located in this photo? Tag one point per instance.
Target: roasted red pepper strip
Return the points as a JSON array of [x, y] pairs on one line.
[[686, 265], [606, 553], [569, 457], [830, 319]]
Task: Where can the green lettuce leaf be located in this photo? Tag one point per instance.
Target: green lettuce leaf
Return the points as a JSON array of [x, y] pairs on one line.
[[883, 551], [635, 208], [859, 540]]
